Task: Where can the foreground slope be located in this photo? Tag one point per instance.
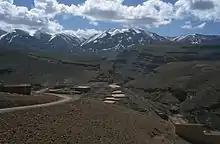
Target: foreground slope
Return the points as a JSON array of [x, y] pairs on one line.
[[84, 121]]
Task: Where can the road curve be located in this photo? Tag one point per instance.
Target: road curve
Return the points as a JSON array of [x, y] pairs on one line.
[[64, 99]]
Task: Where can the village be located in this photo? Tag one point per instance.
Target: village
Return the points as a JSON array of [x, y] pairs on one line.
[[195, 133]]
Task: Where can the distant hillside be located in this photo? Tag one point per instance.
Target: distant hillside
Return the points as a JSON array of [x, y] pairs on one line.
[[194, 89], [178, 79], [22, 67], [143, 59]]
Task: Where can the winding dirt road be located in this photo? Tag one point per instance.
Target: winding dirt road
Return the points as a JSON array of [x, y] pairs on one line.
[[64, 99]]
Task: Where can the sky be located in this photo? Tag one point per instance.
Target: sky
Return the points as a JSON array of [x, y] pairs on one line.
[[87, 17]]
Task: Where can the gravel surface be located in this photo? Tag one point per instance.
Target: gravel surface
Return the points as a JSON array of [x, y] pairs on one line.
[[14, 100], [84, 122]]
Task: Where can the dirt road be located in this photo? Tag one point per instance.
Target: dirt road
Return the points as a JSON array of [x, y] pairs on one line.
[[64, 99]]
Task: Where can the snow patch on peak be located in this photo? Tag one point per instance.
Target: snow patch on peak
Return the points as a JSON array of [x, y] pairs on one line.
[[137, 31], [52, 37], [102, 35], [65, 36], [94, 37], [3, 35], [179, 38], [152, 35], [68, 33], [13, 37], [113, 32]]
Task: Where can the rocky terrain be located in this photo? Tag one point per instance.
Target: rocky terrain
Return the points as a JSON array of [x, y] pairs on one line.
[[189, 88], [84, 121], [14, 100]]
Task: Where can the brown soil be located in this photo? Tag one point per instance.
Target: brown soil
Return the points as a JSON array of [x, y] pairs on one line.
[[13, 100], [84, 122]]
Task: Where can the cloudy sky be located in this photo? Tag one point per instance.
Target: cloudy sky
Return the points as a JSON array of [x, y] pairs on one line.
[[165, 17]]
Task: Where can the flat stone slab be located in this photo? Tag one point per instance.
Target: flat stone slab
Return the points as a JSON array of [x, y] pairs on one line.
[[114, 86], [118, 95], [212, 133], [82, 88], [112, 98], [109, 101], [117, 92]]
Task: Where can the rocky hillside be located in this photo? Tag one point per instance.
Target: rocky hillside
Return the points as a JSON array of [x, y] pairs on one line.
[[188, 88], [141, 60], [183, 80]]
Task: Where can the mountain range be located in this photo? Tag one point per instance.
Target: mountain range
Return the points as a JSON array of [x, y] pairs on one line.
[[112, 40]]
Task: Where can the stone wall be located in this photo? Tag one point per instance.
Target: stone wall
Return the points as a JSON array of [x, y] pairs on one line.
[[19, 89], [195, 133]]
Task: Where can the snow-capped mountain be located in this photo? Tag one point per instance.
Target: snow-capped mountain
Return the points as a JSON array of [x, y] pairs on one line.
[[40, 40], [80, 37], [21, 39], [9, 37], [119, 39], [112, 40], [61, 41], [45, 37], [197, 39], [64, 41]]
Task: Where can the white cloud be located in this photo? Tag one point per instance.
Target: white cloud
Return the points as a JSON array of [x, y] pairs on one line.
[[189, 25], [206, 10], [42, 14], [84, 33], [151, 12], [13, 16], [202, 25], [147, 14], [94, 23], [9, 1]]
